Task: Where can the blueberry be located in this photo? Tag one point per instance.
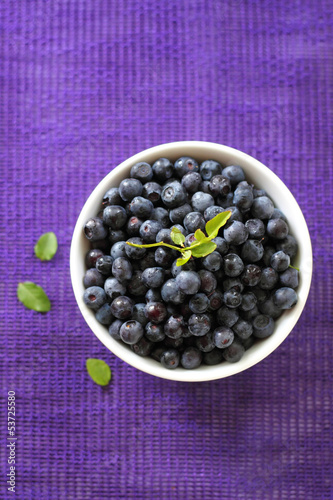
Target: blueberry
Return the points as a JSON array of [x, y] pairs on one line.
[[104, 315], [94, 297], [170, 359], [148, 260], [104, 265], [212, 211], [205, 343], [288, 245], [243, 197], [188, 266], [114, 329], [116, 235], [114, 216], [249, 315], [208, 281], [269, 278], [111, 197], [188, 282], [194, 221], [232, 298], [138, 313], [156, 312], [219, 185], [232, 265], [173, 327], [236, 233], [223, 337], [163, 169], [268, 307], [268, 252], [135, 252], [277, 228], [262, 208], [215, 300], [122, 307], [199, 324], [92, 256], [130, 188], [199, 303], [113, 288], [153, 277], [226, 316], [122, 269], [155, 333], [149, 230], [142, 171], [143, 347], [234, 353], [210, 168], [191, 358], [235, 283], [213, 357], [263, 326], [247, 343], [171, 293], [118, 249], [141, 207], [161, 215], [173, 195], [212, 262], [131, 332], [163, 257], [236, 215], [191, 182], [258, 192], [177, 214], [153, 295], [280, 261], [93, 277], [95, 230], [186, 164], [252, 251], [221, 245], [164, 235], [249, 301], [200, 201], [256, 228], [251, 275], [243, 329], [152, 191], [285, 297], [225, 201], [204, 187], [234, 173], [289, 278], [136, 286]]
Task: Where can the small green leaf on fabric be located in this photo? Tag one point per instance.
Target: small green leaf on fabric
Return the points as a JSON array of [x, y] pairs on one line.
[[99, 371], [213, 226], [185, 258], [33, 297], [177, 236], [203, 249], [46, 247], [199, 235]]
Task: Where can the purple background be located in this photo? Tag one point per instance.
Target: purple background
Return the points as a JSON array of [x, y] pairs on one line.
[[85, 84]]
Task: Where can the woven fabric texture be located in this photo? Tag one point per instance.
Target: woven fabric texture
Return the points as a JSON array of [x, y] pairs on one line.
[[84, 85]]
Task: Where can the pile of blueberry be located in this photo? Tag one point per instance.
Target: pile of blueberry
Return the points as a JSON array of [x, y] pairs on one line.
[[210, 309]]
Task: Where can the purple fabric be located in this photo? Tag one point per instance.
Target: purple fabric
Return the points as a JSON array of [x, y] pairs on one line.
[[84, 85]]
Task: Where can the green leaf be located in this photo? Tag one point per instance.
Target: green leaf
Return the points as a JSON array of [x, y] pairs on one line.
[[185, 257], [46, 246], [213, 225], [203, 249], [99, 371], [33, 297], [177, 236], [199, 235]]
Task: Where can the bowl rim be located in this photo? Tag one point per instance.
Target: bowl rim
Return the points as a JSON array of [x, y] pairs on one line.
[[205, 372]]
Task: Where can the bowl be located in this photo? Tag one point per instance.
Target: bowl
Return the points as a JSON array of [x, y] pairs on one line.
[[262, 177]]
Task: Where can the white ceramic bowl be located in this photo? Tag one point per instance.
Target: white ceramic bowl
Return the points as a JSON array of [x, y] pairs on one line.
[[261, 177]]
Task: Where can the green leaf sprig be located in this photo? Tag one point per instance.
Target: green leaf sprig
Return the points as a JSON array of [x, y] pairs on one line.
[[202, 244], [99, 371]]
